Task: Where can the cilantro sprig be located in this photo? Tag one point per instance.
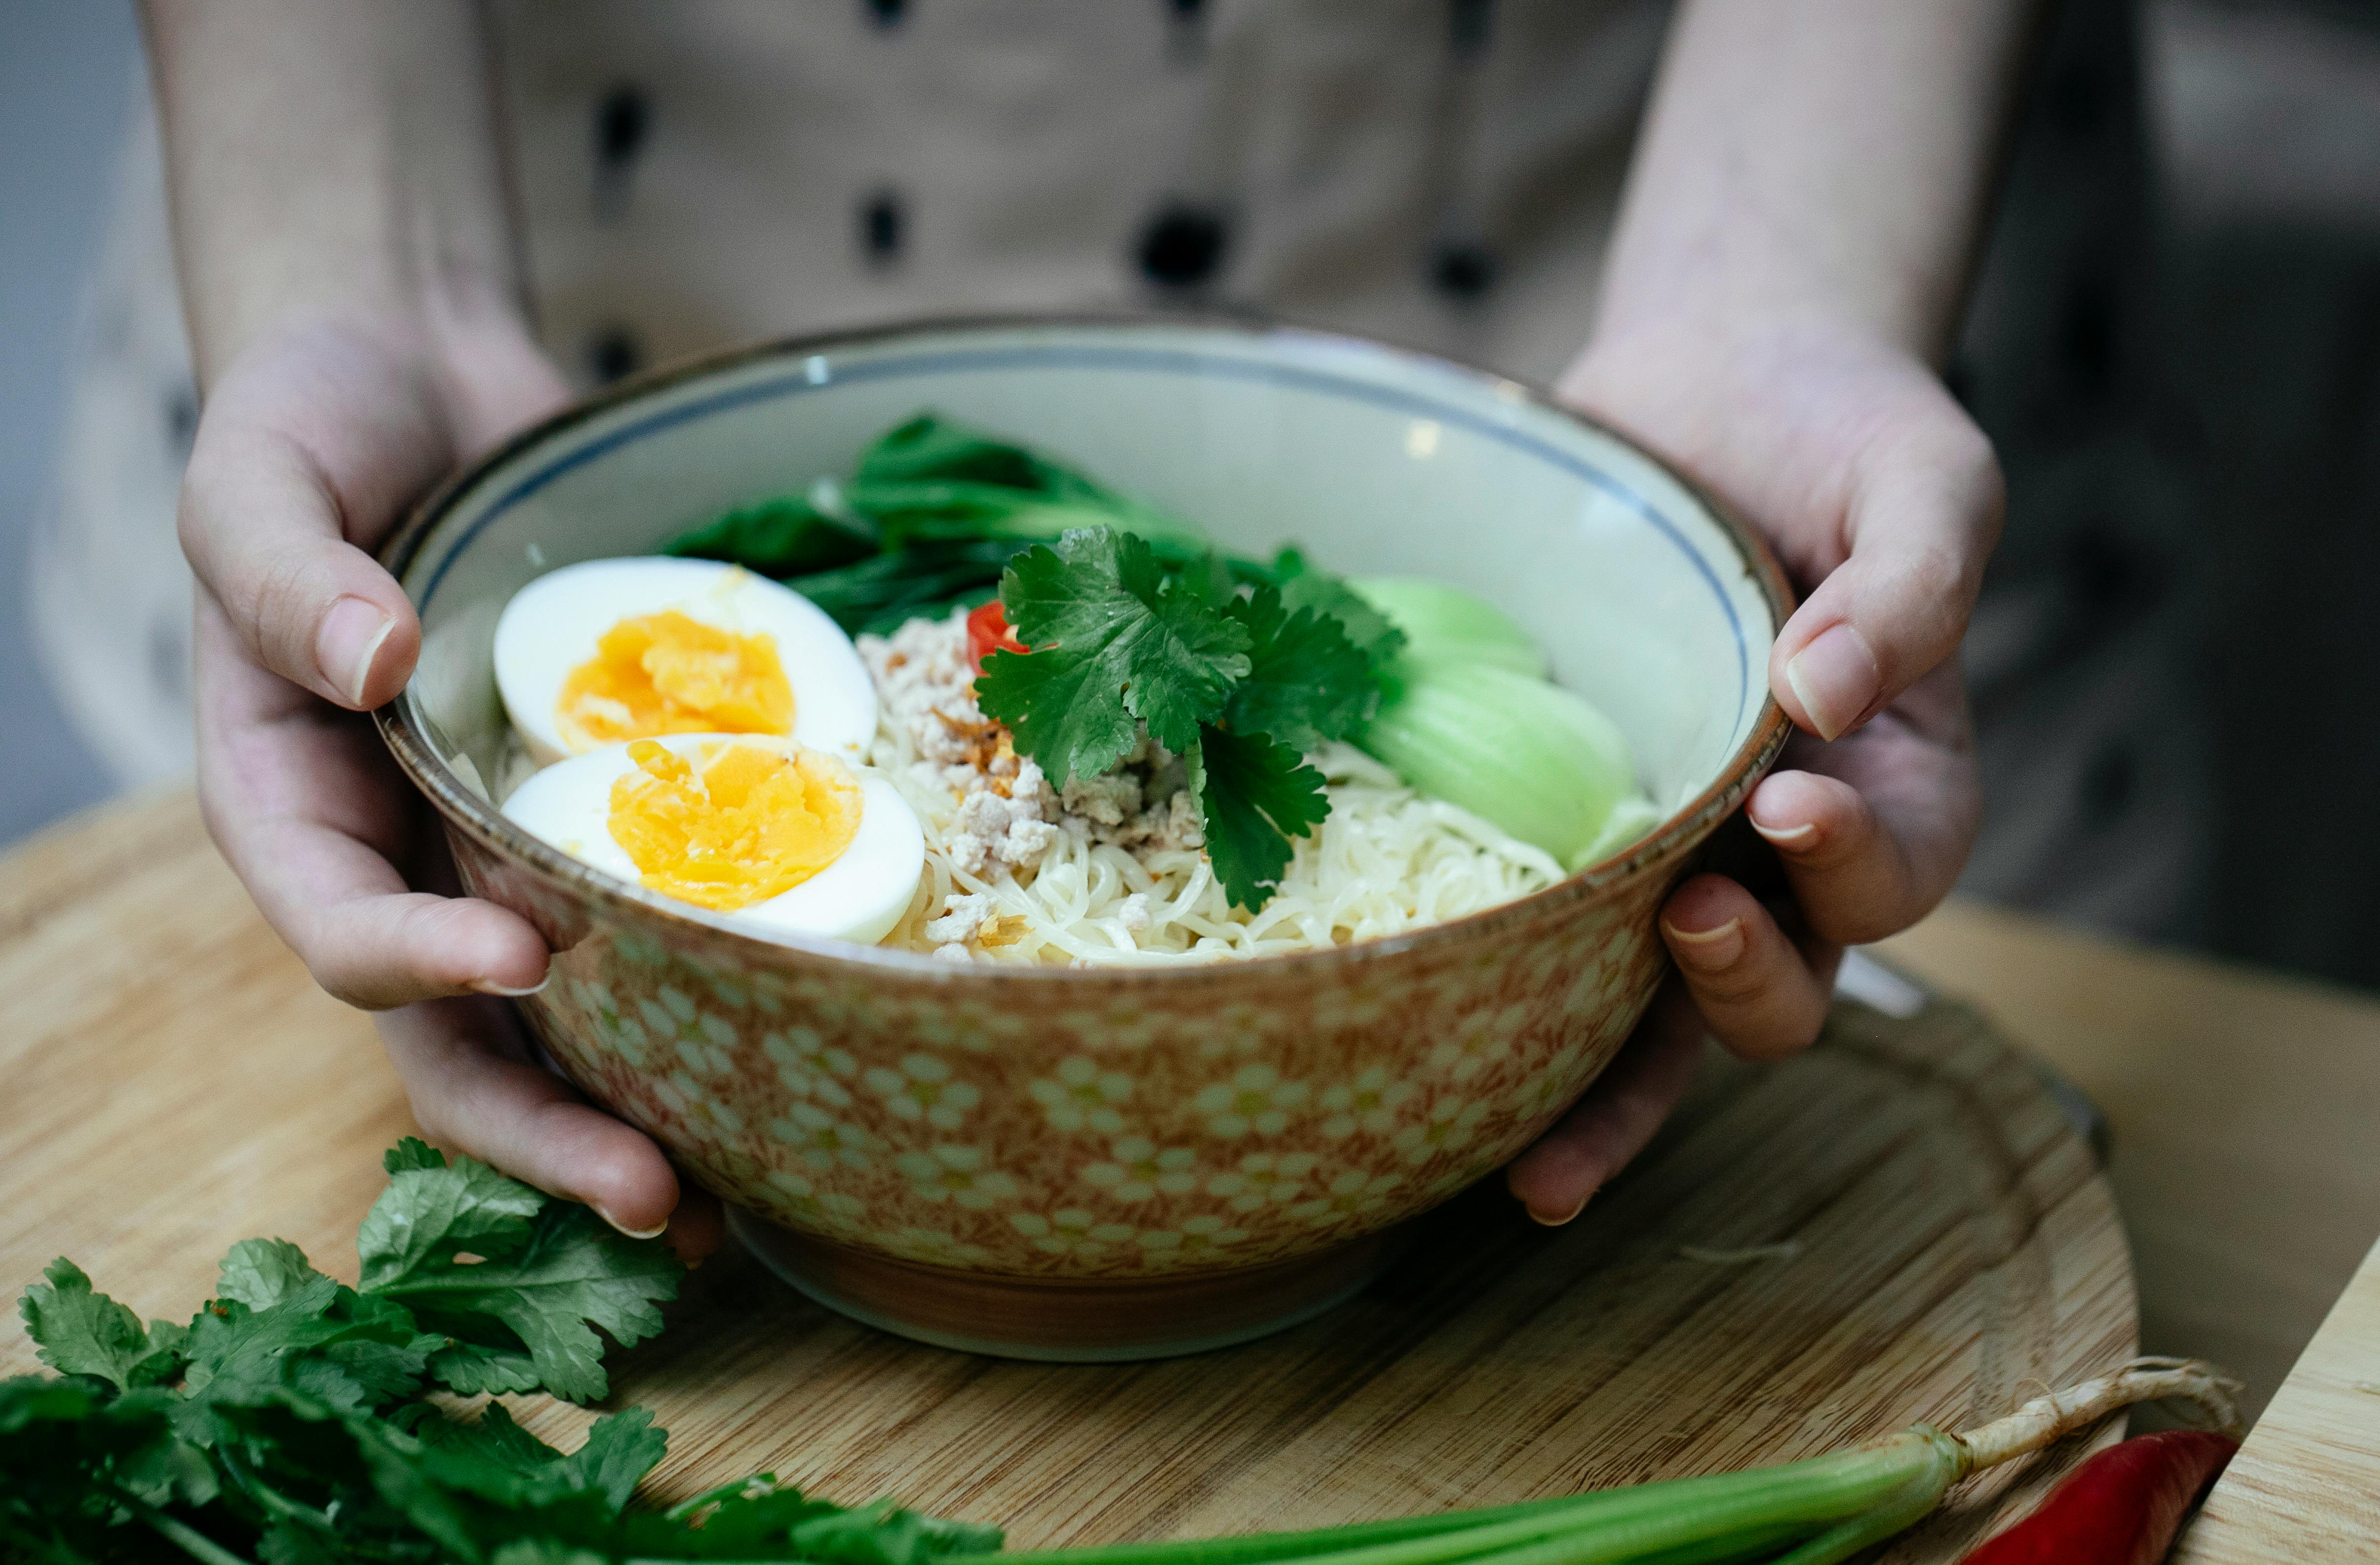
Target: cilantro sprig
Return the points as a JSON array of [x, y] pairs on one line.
[[291, 1421], [1240, 682], [1238, 666]]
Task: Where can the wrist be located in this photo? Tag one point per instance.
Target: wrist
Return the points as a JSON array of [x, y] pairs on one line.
[[471, 365], [1640, 370]]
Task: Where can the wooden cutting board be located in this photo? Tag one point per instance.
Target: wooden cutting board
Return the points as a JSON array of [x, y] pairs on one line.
[[1898, 1227]]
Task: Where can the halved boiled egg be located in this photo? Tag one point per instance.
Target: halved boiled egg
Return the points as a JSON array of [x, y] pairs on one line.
[[609, 650], [783, 838]]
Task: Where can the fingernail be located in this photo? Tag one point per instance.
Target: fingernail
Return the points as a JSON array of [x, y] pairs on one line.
[[653, 1232], [1558, 1219], [1783, 836], [488, 986], [350, 638], [1836, 678], [1712, 950]]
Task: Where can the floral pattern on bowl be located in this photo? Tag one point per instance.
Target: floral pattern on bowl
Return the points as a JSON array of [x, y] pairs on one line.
[[1149, 1131]]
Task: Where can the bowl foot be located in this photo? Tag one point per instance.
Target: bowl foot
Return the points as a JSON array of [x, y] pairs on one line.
[[1064, 1320]]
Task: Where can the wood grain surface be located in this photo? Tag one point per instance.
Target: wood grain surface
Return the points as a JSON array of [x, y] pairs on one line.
[[2306, 1485], [2243, 1107], [1940, 1245]]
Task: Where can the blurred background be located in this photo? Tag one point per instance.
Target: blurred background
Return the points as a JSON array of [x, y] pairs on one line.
[[2175, 342]]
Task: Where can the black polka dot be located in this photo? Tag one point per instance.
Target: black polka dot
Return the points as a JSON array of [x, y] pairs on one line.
[[1182, 246], [614, 353], [883, 225], [2110, 577], [2108, 787], [2078, 95], [182, 418], [1186, 32], [1469, 24], [1462, 270], [2087, 335], [886, 13], [622, 121]]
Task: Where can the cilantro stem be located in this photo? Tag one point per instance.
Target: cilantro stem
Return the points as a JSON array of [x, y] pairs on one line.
[[182, 1535], [730, 1490], [267, 1498]]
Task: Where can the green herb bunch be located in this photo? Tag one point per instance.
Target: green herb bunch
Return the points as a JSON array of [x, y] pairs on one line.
[[296, 1421], [1241, 678]]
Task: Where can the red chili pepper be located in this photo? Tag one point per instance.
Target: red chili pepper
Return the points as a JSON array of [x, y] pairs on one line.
[[987, 632], [2120, 1508]]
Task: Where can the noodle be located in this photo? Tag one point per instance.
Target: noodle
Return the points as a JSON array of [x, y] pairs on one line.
[[1385, 861]]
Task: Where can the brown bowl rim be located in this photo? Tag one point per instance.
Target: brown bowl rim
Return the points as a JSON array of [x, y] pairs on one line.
[[486, 825]]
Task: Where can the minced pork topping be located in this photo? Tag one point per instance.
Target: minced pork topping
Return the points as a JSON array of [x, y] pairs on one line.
[[1007, 815]]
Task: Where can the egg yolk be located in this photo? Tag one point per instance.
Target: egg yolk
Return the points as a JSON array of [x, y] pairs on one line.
[[753, 824], [671, 674]]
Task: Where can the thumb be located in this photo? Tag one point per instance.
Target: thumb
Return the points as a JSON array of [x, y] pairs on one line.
[[306, 454], [1923, 512]]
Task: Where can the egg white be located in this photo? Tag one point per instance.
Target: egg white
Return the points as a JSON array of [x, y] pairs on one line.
[[550, 627], [858, 897]]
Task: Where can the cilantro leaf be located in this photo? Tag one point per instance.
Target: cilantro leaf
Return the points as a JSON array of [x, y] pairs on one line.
[[473, 1368], [1307, 682], [1256, 794], [78, 1331], [1208, 578], [1303, 587], [494, 1439], [346, 1350], [575, 1274], [261, 1272], [758, 1518], [545, 1551], [518, 1280], [1112, 644], [411, 1152], [71, 1452], [431, 1212], [293, 1542], [620, 1448], [884, 1533]]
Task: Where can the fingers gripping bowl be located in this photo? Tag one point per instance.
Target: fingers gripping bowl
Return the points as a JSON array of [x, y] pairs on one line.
[[1087, 1161]]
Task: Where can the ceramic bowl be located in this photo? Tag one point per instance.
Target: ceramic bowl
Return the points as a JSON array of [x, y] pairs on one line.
[[1105, 1163]]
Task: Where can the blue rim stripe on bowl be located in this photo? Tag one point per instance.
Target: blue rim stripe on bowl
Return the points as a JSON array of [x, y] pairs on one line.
[[815, 375]]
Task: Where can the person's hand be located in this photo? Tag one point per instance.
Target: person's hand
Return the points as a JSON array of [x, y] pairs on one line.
[[312, 444], [1883, 501]]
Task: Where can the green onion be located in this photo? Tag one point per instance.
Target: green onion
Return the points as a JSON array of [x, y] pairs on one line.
[[1817, 1511], [1445, 623], [1700, 1519], [1518, 752]]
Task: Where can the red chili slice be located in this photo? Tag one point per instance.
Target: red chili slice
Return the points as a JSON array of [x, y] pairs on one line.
[[987, 632], [2122, 1507]]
